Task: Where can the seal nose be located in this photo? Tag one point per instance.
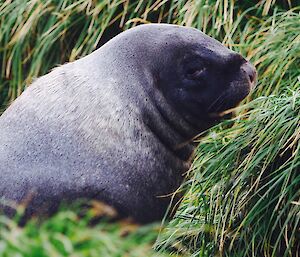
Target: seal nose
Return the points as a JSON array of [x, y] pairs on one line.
[[250, 71], [237, 62]]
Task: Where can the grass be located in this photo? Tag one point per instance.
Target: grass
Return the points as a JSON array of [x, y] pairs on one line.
[[70, 233], [242, 192]]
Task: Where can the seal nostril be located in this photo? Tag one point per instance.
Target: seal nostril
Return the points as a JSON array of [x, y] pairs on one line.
[[251, 77], [250, 72]]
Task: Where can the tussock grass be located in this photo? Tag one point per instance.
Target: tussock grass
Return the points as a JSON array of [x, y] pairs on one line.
[[69, 233], [273, 46], [243, 190]]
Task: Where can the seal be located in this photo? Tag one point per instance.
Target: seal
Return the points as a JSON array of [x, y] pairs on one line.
[[116, 125]]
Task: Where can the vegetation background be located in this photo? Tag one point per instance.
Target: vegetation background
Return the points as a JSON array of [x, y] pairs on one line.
[[243, 190]]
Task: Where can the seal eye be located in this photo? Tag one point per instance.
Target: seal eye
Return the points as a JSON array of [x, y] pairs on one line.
[[195, 73]]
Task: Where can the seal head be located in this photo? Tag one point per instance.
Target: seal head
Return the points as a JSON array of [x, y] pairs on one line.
[[198, 75]]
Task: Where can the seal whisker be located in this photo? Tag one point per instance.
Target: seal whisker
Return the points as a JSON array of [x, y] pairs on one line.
[[215, 102]]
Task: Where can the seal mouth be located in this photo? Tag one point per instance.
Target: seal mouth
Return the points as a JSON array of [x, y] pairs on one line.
[[230, 99]]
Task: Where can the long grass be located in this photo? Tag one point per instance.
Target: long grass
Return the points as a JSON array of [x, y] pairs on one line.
[[243, 190], [72, 233]]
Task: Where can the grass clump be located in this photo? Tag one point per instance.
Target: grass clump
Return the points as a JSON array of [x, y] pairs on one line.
[[273, 46], [69, 233], [243, 190]]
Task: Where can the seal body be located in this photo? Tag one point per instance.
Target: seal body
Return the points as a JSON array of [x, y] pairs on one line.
[[115, 125]]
